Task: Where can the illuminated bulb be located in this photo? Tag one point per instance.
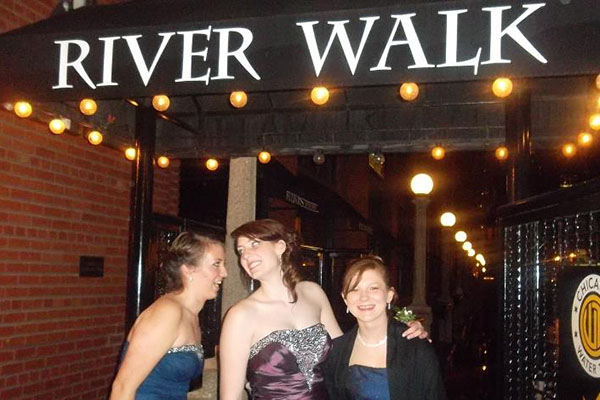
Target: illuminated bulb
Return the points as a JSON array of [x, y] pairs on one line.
[[484, 270], [460, 236], [470, 252], [421, 184], [594, 121], [23, 109], [95, 138], [319, 158], [438, 152], [163, 161], [585, 139], [319, 95], [57, 126], [448, 219], [598, 82], [409, 91], [130, 153], [502, 87], [160, 102], [467, 246], [501, 153], [238, 99], [568, 150], [88, 107], [484, 367], [212, 164], [557, 258], [264, 157], [598, 103]]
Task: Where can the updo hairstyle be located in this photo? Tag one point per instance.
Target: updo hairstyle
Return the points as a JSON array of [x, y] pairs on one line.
[[356, 268]]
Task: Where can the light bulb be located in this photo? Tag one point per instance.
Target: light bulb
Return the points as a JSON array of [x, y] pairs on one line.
[[448, 219], [23, 109], [94, 137], [264, 157], [319, 95], [130, 153], [212, 164], [595, 121], [238, 99], [409, 91], [88, 107], [568, 150], [57, 126], [460, 236], [161, 102], [585, 139], [438, 152], [163, 161], [501, 153], [502, 87], [319, 158], [421, 184]]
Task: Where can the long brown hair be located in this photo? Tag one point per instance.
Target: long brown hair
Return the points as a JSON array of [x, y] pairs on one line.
[[272, 231]]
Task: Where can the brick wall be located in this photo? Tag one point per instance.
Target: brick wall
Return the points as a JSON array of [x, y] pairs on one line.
[[61, 198]]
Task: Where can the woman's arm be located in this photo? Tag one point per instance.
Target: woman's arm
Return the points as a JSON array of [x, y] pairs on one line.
[[234, 348], [150, 339]]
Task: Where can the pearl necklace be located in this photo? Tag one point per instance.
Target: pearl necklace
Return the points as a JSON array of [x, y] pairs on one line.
[[360, 339]]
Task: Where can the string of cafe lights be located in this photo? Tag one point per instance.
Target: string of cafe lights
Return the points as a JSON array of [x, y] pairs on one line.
[[409, 91]]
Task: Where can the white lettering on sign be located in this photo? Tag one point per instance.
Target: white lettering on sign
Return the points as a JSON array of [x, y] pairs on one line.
[[188, 53], [77, 65]]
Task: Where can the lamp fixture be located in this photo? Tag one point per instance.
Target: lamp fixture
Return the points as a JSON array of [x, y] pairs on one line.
[[471, 252], [448, 219], [377, 157], [238, 99], [467, 246], [88, 107], [212, 164], [438, 153], [264, 157], [319, 95], [421, 184], [130, 153], [23, 109], [94, 137], [568, 150], [163, 161], [409, 91], [161, 102], [502, 87], [460, 236], [57, 126], [501, 153]]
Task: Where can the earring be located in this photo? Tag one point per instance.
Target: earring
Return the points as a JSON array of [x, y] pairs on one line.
[[347, 310], [191, 278], [389, 306]]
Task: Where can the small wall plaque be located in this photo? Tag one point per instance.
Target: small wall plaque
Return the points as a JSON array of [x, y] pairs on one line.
[[91, 266]]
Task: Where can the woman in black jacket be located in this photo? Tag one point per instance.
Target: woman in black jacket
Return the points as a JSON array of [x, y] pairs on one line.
[[374, 360]]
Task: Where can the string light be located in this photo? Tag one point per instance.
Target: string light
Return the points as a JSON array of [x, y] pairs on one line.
[[264, 157], [319, 95], [238, 99], [163, 161], [409, 91], [130, 153], [212, 164], [23, 109], [438, 152], [502, 87], [585, 139], [161, 102], [88, 107], [57, 126], [501, 153], [568, 150], [594, 121], [94, 137], [460, 236]]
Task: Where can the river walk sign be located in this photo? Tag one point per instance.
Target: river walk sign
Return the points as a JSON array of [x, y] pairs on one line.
[[422, 42]]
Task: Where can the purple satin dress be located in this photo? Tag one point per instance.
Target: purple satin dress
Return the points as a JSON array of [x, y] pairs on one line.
[[286, 364]]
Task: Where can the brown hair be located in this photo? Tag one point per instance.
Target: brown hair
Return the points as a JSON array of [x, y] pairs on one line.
[[187, 248], [356, 268], [272, 231]]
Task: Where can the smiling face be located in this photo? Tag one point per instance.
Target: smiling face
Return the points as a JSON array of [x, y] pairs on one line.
[[367, 299], [208, 273], [258, 257]]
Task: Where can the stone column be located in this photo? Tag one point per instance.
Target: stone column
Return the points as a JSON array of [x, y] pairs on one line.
[[445, 300], [419, 302], [241, 208]]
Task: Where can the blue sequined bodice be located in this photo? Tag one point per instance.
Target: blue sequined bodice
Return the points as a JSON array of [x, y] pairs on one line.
[[171, 376], [368, 383]]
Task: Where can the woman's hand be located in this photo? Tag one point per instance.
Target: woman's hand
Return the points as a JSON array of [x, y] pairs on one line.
[[415, 329]]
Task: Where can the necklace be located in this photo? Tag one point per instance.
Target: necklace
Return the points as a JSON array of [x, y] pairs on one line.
[[360, 339]]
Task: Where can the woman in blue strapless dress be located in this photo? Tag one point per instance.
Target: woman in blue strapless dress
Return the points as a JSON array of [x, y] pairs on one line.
[[373, 361], [162, 353], [278, 337]]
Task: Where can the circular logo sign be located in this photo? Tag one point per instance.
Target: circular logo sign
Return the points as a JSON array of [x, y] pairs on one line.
[[585, 324]]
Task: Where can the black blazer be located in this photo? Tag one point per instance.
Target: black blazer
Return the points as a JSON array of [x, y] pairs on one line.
[[412, 366]]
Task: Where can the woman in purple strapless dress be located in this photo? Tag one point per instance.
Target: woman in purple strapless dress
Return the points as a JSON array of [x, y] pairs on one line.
[[278, 337]]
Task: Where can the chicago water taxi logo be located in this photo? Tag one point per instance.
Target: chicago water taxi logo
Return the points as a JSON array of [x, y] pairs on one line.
[[585, 324]]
